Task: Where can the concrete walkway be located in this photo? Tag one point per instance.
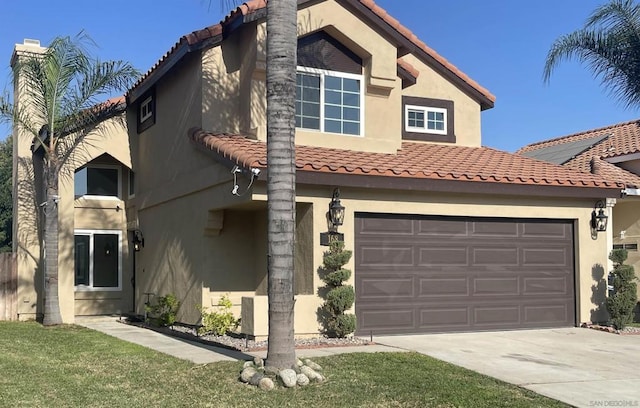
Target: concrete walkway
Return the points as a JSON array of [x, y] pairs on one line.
[[581, 367], [197, 352]]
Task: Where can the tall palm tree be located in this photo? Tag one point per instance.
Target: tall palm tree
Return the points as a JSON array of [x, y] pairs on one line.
[[282, 40], [60, 104], [609, 43]]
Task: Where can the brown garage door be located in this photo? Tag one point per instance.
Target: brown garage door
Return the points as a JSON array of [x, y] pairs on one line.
[[420, 274]]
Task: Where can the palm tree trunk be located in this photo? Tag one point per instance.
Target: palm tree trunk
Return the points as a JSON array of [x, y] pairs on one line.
[[281, 80], [52, 314]]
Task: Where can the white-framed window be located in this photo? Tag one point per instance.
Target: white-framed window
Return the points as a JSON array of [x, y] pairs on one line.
[[422, 119], [329, 101], [146, 109], [132, 184], [100, 181], [98, 260]]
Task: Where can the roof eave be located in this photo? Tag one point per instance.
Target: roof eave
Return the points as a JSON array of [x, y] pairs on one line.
[[455, 186]]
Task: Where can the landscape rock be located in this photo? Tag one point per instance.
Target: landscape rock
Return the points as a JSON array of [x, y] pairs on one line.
[[299, 362], [312, 365], [302, 380], [266, 384], [256, 378], [311, 374], [258, 362], [247, 364], [288, 377], [247, 373]]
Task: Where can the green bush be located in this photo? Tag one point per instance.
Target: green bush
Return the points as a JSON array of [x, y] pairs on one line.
[[338, 296], [164, 311], [340, 299], [622, 301], [218, 322], [343, 325], [336, 278]]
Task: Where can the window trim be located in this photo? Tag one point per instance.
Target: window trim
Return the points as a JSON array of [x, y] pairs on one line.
[[427, 135], [100, 197], [90, 287], [425, 110], [322, 73], [149, 118]]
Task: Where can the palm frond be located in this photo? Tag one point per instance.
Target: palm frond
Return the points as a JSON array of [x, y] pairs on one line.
[[609, 45]]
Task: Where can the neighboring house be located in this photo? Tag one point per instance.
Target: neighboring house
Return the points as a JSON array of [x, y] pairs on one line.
[[612, 152], [447, 235]]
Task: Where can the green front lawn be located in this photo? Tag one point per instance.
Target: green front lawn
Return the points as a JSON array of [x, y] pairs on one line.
[[77, 367]]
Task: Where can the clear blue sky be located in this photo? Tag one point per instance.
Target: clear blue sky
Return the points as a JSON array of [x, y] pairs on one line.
[[501, 44]]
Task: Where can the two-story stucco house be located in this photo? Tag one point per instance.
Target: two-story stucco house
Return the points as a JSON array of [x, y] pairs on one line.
[[447, 235]]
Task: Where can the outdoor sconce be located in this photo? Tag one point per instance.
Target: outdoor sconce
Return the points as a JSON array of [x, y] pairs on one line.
[[138, 240], [335, 218], [336, 210], [599, 221]]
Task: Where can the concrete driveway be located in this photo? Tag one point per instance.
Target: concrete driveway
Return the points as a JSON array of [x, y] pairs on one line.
[[581, 367]]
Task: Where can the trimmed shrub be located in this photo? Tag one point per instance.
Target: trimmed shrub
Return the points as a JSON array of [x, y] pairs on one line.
[[164, 311], [218, 322], [622, 301], [338, 296]]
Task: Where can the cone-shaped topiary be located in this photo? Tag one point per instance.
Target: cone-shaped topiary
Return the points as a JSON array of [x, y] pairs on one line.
[[621, 303], [339, 297]]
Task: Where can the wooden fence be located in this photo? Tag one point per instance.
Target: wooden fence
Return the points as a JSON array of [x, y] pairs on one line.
[[8, 287]]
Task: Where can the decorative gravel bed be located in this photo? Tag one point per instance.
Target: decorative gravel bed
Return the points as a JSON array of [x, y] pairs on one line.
[[241, 343], [629, 330]]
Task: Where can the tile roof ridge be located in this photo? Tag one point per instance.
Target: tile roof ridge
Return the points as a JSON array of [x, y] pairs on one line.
[[409, 35], [196, 36], [580, 133]]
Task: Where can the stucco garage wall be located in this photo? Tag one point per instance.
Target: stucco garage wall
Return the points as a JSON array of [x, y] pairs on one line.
[[590, 255]]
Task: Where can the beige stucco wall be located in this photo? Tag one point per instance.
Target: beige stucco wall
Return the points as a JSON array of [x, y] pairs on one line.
[[109, 137], [626, 217], [73, 214], [590, 257], [430, 84], [234, 97], [162, 153]]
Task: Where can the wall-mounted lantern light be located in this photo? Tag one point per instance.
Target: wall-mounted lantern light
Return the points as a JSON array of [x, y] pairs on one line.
[[336, 210], [138, 240], [599, 220], [335, 218]]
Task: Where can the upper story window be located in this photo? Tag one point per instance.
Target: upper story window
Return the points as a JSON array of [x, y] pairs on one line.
[[146, 112], [329, 101], [427, 119], [97, 181], [329, 86]]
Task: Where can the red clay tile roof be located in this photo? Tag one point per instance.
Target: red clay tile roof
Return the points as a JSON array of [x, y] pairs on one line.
[[413, 160], [408, 67], [623, 139], [251, 6]]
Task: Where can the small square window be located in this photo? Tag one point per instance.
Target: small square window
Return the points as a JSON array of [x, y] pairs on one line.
[[146, 112], [422, 119], [97, 181]]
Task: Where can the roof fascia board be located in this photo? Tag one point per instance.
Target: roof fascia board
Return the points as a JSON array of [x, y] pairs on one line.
[[405, 43], [622, 158], [452, 186], [158, 73]]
